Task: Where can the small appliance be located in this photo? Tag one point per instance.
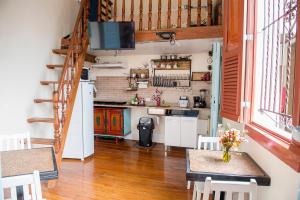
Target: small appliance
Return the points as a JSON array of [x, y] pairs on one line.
[[85, 74], [196, 101], [199, 101], [183, 102], [202, 102]]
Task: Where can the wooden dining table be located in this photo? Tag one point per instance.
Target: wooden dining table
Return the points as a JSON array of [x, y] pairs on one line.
[[21, 162], [201, 164]]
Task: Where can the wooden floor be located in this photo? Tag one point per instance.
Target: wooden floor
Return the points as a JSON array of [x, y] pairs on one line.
[[123, 171]]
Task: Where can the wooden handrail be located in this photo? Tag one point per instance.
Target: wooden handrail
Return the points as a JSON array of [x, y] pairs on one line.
[[69, 79]]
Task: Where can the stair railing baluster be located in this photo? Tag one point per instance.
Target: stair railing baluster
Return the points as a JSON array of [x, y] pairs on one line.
[[100, 10], [189, 13], [169, 14], [179, 14], [106, 10], [123, 10], [199, 13], [141, 16], [132, 11], [56, 122], [159, 15], [115, 10], [150, 15], [209, 12]]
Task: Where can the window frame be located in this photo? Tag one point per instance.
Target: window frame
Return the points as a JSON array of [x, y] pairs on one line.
[[285, 149]]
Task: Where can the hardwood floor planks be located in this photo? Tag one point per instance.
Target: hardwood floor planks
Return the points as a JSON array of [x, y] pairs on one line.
[[123, 171]]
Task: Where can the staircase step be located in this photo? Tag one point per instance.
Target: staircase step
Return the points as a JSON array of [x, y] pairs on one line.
[[49, 82], [38, 120], [55, 66], [52, 82], [43, 101], [88, 57], [63, 51], [43, 141]]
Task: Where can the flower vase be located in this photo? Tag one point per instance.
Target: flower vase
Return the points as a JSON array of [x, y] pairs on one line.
[[226, 155]]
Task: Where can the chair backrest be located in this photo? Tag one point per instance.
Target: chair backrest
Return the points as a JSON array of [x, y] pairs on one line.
[[230, 187], [30, 183], [17, 141], [209, 143]]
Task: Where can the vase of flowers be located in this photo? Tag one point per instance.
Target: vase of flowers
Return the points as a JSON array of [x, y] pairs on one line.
[[230, 138]]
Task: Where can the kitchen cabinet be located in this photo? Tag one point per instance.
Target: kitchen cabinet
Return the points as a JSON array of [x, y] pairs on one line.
[[99, 120], [188, 132], [172, 131], [181, 131], [112, 121]]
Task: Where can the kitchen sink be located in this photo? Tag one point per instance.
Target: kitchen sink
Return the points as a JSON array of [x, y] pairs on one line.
[[184, 113]]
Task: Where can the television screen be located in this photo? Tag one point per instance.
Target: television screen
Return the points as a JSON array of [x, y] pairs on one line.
[[112, 35]]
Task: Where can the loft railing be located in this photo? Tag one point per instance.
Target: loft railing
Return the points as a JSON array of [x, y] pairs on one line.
[[166, 14], [64, 95], [190, 19]]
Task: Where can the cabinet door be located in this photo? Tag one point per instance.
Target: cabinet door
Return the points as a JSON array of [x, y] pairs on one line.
[[172, 131], [188, 132], [99, 120], [114, 121]]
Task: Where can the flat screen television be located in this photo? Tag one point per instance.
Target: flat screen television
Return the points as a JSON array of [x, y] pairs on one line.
[[112, 35]]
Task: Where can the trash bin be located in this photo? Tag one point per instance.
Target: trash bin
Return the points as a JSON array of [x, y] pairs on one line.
[[145, 127]]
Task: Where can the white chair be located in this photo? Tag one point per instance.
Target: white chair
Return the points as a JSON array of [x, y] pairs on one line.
[[31, 186], [230, 188], [17, 141], [206, 143], [209, 143]]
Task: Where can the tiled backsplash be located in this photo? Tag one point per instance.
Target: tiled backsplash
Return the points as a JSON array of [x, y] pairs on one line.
[[114, 89]]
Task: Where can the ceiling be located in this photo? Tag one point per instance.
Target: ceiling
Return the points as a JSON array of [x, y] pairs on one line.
[[151, 48]]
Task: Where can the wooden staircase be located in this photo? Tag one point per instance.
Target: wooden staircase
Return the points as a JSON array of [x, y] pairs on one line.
[[64, 90]]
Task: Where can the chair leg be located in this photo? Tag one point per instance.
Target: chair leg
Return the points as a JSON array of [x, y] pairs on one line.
[[194, 192], [188, 186]]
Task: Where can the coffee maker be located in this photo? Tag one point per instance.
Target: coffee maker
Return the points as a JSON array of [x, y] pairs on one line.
[[199, 101], [196, 102]]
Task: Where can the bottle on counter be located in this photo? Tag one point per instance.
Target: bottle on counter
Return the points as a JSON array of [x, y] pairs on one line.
[[135, 100]]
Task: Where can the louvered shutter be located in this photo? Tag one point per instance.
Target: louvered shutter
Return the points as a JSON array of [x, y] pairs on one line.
[[233, 53]]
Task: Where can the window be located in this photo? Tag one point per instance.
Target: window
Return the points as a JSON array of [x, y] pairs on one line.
[[264, 71], [275, 66]]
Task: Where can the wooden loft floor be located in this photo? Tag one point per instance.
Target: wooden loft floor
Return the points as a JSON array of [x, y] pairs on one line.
[[123, 172], [187, 33]]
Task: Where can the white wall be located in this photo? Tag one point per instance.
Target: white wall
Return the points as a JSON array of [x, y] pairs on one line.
[[285, 182], [29, 31]]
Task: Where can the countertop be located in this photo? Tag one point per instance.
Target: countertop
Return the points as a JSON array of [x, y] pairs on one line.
[[167, 106]]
